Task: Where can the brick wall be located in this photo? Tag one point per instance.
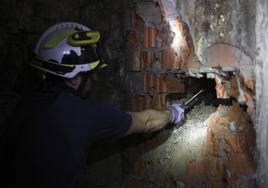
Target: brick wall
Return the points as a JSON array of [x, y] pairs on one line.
[[151, 57]]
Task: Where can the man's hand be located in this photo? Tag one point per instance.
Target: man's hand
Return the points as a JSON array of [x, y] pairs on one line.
[[149, 120], [177, 113], [153, 120]]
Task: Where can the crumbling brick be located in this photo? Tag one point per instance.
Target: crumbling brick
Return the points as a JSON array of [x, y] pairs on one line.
[[174, 84], [192, 172], [148, 58], [135, 60], [136, 21], [238, 158], [234, 87], [164, 37], [223, 87], [228, 149], [221, 55], [150, 35], [134, 39], [170, 59], [159, 102]]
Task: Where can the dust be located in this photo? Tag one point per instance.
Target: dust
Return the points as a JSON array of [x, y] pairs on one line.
[[183, 145]]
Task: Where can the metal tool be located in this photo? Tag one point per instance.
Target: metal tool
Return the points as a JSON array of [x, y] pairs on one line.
[[190, 102]]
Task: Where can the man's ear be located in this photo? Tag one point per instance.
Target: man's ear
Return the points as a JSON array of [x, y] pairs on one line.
[[74, 82]]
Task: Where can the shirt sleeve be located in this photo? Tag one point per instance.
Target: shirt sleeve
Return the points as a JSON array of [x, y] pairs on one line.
[[111, 122], [92, 119]]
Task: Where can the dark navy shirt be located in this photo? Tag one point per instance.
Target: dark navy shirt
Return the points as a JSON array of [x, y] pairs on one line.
[[50, 146]]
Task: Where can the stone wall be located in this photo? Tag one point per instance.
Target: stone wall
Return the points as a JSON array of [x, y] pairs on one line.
[[230, 22]]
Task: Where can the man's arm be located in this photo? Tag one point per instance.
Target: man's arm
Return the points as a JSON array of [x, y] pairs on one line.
[[148, 120], [153, 120]]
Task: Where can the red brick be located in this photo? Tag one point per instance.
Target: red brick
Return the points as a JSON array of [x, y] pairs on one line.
[[239, 147], [194, 173], [250, 83], [170, 59], [180, 40], [134, 39], [136, 21], [135, 61], [250, 103], [234, 87], [148, 102], [221, 55], [241, 164], [159, 102], [174, 84], [215, 147], [233, 142], [186, 50], [137, 103], [188, 47], [150, 35], [152, 83], [162, 84], [216, 167], [148, 58], [223, 88]]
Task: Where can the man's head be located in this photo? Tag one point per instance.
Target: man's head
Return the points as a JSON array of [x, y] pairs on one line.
[[69, 50], [81, 83]]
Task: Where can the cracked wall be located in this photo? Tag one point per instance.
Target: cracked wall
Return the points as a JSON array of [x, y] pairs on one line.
[[220, 41]]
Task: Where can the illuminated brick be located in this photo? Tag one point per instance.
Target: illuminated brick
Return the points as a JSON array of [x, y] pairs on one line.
[[150, 35], [148, 58], [170, 59], [136, 21]]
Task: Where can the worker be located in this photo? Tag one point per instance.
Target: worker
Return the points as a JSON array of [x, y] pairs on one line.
[[49, 147]]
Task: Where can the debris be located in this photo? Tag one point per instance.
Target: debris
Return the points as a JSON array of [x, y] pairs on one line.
[[233, 126]]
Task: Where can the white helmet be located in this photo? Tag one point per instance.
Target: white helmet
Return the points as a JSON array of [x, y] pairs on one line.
[[67, 49]]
